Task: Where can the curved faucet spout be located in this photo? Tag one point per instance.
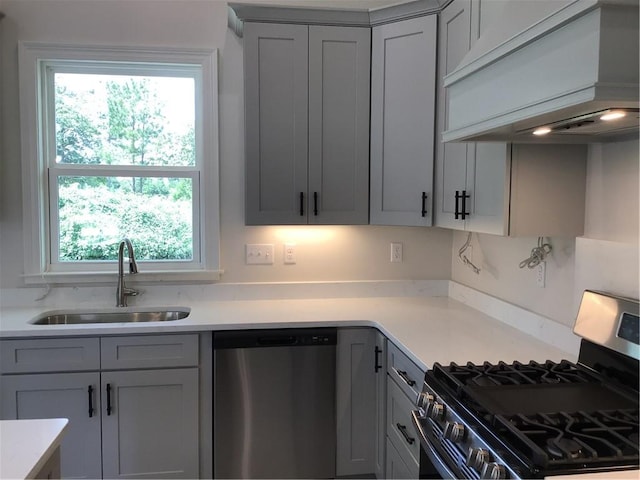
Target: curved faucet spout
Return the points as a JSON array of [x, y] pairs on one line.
[[122, 292]]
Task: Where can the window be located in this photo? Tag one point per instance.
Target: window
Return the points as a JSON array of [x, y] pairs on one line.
[[125, 146]]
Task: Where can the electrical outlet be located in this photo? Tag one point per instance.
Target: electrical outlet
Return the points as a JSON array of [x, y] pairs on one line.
[[396, 252], [290, 253], [259, 254], [541, 271]]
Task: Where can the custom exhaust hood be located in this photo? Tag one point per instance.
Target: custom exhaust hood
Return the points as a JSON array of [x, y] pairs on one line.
[[566, 69]]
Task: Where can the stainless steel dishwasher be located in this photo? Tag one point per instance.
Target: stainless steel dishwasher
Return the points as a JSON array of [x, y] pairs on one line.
[[274, 403]]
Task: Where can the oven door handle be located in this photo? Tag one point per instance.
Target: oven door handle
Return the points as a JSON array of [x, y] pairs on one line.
[[429, 450]]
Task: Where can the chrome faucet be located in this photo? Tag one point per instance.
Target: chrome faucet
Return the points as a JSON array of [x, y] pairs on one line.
[[122, 292]]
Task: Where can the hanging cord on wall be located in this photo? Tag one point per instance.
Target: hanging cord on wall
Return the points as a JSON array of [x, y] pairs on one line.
[[538, 254], [464, 258]]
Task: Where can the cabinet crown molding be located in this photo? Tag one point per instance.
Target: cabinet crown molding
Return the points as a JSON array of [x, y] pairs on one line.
[[244, 12]]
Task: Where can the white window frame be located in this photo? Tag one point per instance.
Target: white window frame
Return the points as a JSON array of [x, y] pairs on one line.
[[36, 62]]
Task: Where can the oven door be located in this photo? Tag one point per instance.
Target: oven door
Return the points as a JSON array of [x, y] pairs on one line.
[[438, 461]]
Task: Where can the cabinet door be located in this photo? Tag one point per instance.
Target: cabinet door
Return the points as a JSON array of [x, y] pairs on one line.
[[151, 427], [339, 72], [396, 468], [61, 395], [380, 369], [488, 187], [403, 82], [455, 40], [355, 387], [276, 95]]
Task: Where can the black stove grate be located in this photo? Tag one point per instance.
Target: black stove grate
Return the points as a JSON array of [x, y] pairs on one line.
[[553, 417], [593, 439]]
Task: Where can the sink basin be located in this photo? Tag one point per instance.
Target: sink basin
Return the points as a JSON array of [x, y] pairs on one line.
[[112, 315]]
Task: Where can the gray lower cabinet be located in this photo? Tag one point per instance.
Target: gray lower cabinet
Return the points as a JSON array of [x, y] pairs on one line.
[[404, 382], [150, 424], [138, 423], [380, 369], [355, 387], [396, 468], [403, 85], [75, 396], [306, 124]]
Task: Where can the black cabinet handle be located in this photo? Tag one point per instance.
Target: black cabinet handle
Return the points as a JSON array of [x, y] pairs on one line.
[[108, 399], [403, 431], [90, 391], [315, 203], [406, 378], [464, 197], [376, 363], [424, 204], [461, 200], [302, 204]]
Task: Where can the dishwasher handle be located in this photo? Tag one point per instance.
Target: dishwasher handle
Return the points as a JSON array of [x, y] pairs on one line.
[[276, 340], [280, 337]]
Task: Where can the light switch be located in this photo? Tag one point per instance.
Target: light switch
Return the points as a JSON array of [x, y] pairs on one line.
[[259, 253]]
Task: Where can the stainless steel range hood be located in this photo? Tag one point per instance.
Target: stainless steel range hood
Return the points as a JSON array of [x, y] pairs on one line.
[[558, 64]]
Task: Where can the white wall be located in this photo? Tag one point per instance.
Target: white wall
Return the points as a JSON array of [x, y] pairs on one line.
[[323, 253], [605, 258]]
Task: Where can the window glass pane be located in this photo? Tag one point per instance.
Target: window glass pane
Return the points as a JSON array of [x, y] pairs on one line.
[[95, 213], [124, 119]]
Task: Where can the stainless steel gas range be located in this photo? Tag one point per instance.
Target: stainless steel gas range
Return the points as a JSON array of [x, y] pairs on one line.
[[533, 420]]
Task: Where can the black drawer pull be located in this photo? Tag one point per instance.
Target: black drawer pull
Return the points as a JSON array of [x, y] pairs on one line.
[[315, 203], [406, 378], [302, 204], [90, 391], [403, 431], [109, 399]]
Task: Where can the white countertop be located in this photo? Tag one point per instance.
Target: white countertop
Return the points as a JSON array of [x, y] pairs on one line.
[[26, 445], [428, 329]]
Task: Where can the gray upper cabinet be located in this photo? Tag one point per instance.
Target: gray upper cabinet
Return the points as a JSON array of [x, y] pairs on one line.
[[403, 85], [455, 162], [471, 179], [307, 124], [276, 110], [495, 187]]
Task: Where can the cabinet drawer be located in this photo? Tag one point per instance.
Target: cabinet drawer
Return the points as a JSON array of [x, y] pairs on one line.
[[400, 430], [406, 373], [49, 355], [149, 351], [396, 466]]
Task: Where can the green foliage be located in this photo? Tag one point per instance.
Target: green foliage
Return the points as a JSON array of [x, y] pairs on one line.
[[93, 220], [96, 212]]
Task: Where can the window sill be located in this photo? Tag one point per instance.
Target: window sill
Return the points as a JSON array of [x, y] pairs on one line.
[[75, 278]]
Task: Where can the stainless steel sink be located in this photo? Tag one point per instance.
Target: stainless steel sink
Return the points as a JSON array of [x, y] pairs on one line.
[[112, 315]]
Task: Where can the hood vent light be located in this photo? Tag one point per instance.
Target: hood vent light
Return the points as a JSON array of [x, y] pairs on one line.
[[619, 120]]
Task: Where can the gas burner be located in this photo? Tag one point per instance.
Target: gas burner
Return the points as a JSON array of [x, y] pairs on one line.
[[537, 420], [517, 373], [564, 448]]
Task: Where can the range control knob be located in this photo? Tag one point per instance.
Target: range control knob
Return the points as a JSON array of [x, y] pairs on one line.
[[424, 400], [454, 431], [436, 411], [477, 458], [494, 471]]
